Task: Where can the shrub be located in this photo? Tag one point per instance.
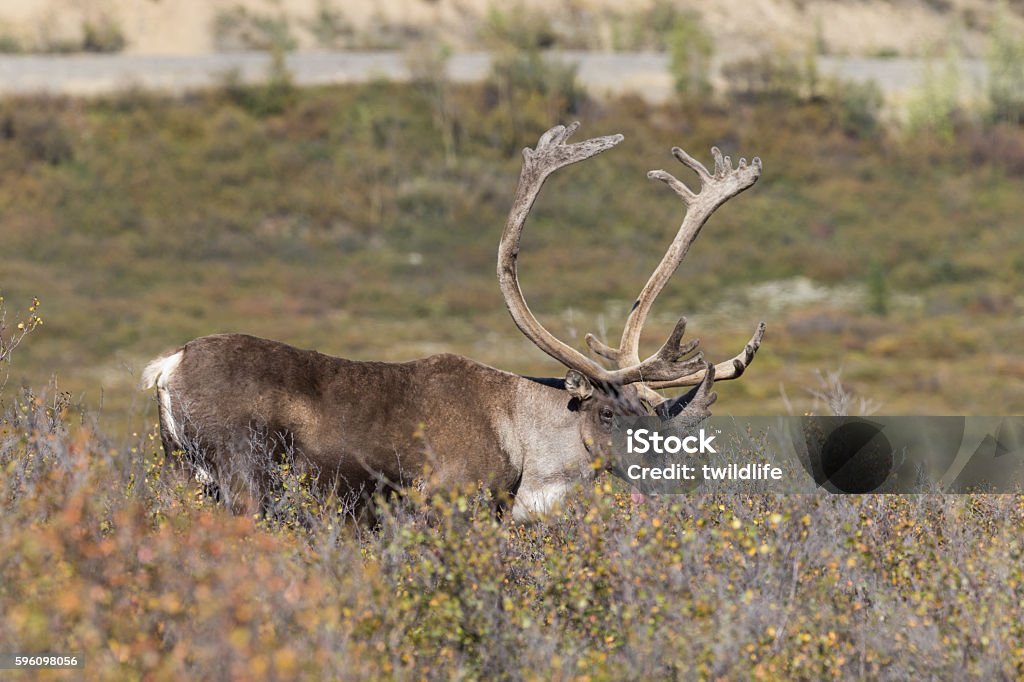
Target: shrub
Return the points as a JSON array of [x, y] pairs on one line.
[[878, 290], [271, 97], [776, 74], [103, 35], [99, 32], [1000, 144], [517, 28], [38, 136], [935, 105], [1006, 72], [10, 43], [524, 88], [107, 552], [690, 51], [858, 105], [238, 28], [428, 67], [329, 26], [13, 333]]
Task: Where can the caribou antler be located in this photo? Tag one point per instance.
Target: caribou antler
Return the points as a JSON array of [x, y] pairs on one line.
[[716, 188], [669, 366], [554, 152]]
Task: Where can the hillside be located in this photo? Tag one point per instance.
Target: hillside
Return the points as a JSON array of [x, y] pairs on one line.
[[363, 221], [873, 27]]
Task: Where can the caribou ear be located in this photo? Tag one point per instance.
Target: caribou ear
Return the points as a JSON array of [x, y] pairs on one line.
[[696, 403], [673, 407], [579, 386]]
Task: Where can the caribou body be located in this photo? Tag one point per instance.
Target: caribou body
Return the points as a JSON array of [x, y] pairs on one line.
[[366, 424]]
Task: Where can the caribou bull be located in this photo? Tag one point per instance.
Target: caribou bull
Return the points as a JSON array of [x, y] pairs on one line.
[[361, 423]]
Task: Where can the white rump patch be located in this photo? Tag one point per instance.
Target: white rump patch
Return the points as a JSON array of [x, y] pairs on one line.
[[160, 369], [158, 373]]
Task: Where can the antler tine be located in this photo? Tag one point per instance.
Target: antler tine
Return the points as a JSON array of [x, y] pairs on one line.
[[602, 349], [692, 163], [722, 164], [730, 369], [699, 404], [678, 187]]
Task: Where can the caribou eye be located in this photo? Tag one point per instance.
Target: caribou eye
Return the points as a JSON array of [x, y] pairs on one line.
[[607, 415]]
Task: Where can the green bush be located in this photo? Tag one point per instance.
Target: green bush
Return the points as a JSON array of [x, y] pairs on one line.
[[526, 88], [935, 106], [878, 290], [269, 98], [775, 74], [103, 35], [517, 27], [39, 136], [1006, 72], [858, 106], [329, 26], [10, 43], [238, 28], [690, 51]]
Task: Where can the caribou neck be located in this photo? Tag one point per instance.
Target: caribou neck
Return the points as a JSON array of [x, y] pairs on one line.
[[541, 434]]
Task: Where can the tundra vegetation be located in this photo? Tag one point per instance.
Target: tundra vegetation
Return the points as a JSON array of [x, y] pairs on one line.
[[103, 552], [362, 221], [346, 219]]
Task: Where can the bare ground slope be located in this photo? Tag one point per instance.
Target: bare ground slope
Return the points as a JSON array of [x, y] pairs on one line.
[[904, 27]]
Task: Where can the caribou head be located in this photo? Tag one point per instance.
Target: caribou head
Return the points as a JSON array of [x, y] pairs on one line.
[[362, 425]]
